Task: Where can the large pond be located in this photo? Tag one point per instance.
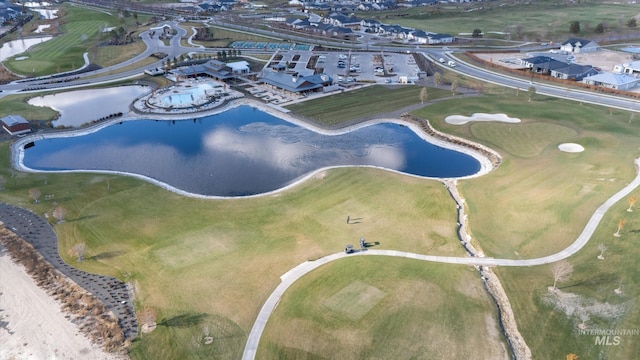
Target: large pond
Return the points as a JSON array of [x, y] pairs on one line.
[[242, 151]]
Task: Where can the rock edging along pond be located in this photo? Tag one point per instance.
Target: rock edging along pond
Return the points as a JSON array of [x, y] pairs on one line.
[[245, 151]]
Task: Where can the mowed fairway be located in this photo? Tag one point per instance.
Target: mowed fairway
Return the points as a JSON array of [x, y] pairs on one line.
[[385, 308], [80, 30], [537, 203]]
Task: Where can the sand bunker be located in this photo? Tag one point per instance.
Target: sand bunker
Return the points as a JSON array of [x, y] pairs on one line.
[[571, 147], [461, 119]]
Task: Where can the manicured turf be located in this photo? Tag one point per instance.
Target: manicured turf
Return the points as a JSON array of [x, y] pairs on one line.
[[80, 33], [368, 101], [384, 308], [17, 104], [538, 202]]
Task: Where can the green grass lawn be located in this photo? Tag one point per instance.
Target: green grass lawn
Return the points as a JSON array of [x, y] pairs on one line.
[[372, 100], [533, 21], [537, 203], [17, 104], [80, 33], [384, 308], [208, 265]]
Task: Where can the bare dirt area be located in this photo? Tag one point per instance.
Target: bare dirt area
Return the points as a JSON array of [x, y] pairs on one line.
[[603, 59], [32, 325]]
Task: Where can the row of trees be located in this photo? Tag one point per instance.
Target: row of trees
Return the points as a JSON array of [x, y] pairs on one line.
[[575, 27]]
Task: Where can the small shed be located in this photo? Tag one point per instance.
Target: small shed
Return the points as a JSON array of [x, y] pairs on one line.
[[15, 124]]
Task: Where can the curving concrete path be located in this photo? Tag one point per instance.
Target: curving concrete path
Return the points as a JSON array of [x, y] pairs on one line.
[[299, 271]]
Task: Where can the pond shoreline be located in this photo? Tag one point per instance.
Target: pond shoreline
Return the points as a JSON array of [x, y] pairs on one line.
[[483, 155]]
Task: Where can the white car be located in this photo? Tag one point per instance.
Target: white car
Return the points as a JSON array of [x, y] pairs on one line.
[[441, 60], [451, 63]]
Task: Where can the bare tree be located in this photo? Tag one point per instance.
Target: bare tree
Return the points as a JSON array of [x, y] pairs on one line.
[[59, 213], [454, 87], [437, 78], [34, 193], [531, 91], [147, 317], [602, 247], [632, 202], [78, 251], [584, 316], [561, 271], [423, 94], [620, 226]]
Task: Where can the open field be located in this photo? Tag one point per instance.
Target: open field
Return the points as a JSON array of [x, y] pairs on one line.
[[371, 100], [385, 308], [536, 21]]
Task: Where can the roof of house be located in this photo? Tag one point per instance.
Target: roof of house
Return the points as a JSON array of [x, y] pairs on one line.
[[545, 62], [635, 65], [576, 69], [612, 79], [577, 41], [440, 36], [12, 120]]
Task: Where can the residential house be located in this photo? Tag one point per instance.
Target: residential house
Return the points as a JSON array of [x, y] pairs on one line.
[[612, 81], [339, 19], [370, 25], [573, 72], [297, 23], [575, 45], [542, 64], [631, 68], [8, 11]]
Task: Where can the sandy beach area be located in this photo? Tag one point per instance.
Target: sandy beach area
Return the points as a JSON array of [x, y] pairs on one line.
[[32, 325]]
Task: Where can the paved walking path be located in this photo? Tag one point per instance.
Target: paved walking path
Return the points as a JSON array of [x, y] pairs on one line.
[[299, 271]]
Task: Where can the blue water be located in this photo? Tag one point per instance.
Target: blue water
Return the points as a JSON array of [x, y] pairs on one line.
[[241, 152]]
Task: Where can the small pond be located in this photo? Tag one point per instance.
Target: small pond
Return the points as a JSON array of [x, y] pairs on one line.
[[84, 106], [242, 151], [15, 47]]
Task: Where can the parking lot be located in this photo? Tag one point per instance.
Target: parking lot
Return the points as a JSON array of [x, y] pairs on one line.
[[359, 66]]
